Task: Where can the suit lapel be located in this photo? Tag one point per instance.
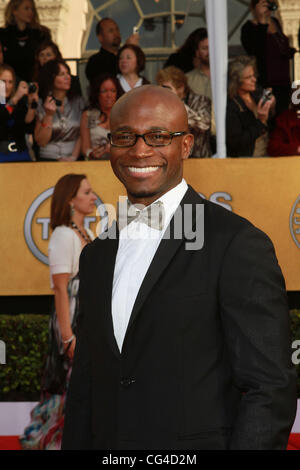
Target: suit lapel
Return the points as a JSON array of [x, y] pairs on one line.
[[108, 259], [165, 252]]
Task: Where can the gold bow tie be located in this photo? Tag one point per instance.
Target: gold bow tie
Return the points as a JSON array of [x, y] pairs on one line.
[[153, 215]]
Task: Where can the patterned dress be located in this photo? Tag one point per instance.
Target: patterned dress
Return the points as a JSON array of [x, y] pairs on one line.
[[198, 109], [47, 418]]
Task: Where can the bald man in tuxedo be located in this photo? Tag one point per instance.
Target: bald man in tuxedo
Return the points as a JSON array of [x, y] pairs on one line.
[[183, 343]]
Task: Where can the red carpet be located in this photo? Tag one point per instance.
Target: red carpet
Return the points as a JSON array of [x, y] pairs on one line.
[[9, 443], [294, 442], [12, 442]]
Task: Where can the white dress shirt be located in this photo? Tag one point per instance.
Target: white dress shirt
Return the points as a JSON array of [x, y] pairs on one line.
[[137, 246]]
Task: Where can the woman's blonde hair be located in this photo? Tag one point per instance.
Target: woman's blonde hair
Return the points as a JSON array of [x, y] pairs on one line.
[[14, 5], [174, 75], [235, 73]]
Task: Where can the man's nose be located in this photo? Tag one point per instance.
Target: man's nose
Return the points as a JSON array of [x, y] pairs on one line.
[[140, 149]]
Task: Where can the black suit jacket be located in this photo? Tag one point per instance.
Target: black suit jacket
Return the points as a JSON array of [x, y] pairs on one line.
[[242, 129], [104, 62], [206, 360]]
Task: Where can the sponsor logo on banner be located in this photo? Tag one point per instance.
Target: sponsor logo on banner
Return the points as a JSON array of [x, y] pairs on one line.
[[37, 220], [295, 222], [219, 198], [37, 223]]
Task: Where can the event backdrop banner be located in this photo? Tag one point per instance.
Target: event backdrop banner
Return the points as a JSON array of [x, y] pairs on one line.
[[266, 191]]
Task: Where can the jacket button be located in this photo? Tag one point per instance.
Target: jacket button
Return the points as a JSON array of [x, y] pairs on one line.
[[127, 382]]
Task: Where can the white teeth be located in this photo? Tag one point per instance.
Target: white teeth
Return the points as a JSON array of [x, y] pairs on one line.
[[147, 169]]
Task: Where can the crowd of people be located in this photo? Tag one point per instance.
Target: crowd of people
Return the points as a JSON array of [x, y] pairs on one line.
[[44, 117]]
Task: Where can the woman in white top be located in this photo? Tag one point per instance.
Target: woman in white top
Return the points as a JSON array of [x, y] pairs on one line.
[[72, 200], [94, 125], [131, 62]]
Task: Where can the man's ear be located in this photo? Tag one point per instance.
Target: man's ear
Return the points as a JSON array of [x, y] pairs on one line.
[[187, 145]]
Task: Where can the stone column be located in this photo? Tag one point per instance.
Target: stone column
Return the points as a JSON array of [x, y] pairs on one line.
[[289, 15]]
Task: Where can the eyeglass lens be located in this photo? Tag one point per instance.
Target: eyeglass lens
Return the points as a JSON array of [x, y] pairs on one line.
[[151, 138]]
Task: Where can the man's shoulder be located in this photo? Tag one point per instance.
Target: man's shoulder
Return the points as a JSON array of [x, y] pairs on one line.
[[104, 59], [218, 217], [196, 72], [95, 57], [222, 226], [199, 82]]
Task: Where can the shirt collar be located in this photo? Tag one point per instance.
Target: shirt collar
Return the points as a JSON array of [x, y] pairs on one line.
[[171, 200]]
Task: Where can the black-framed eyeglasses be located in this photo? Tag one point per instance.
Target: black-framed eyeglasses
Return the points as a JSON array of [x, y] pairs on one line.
[[152, 138]]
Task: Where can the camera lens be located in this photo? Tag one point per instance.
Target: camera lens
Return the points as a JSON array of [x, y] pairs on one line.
[[31, 88], [272, 6]]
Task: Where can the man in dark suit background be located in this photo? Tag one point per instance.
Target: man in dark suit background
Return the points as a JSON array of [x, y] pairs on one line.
[[178, 347], [105, 61]]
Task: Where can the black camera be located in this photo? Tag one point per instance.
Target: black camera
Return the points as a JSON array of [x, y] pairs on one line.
[[272, 6], [32, 88], [57, 102]]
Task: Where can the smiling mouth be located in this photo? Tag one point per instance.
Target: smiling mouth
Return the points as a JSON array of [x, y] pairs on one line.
[[147, 169]]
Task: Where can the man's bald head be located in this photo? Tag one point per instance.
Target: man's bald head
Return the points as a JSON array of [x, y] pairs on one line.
[[150, 97]]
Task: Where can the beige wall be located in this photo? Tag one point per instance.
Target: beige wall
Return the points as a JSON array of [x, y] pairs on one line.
[[289, 14]]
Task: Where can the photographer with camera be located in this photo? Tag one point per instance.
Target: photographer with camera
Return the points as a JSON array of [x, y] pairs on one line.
[[57, 129], [17, 114], [263, 38], [248, 111]]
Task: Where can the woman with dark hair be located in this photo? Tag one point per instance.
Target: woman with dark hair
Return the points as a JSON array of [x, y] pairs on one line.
[[17, 113], [72, 200], [21, 36], [247, 117], [131, 62], [186, 58], [57, 129], [47, 51], [263, 38], [94, 125]]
